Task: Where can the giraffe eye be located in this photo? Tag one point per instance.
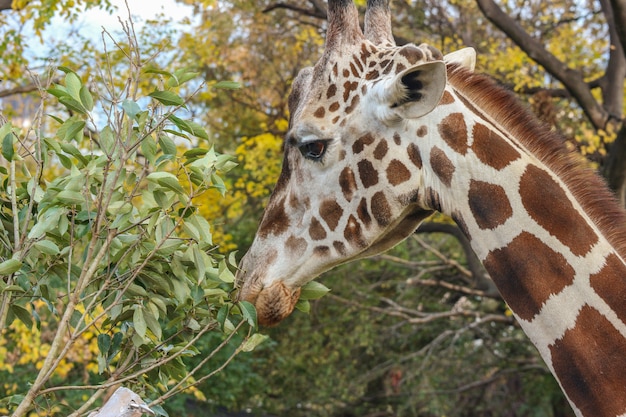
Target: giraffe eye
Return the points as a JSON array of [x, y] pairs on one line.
[[314, 150]]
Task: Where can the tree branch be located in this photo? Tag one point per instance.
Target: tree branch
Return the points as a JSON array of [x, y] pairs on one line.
[[5, 5], [619, 17], [572, 79], [316, 12], [481, 278], [23, 89]]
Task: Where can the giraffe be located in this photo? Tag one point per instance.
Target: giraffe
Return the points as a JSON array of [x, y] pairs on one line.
[[381, 136]]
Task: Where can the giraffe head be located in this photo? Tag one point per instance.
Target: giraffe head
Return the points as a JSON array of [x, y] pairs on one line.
[[350, 185]]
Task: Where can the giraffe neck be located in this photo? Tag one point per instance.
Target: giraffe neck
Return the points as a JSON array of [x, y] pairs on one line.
[[554, 249]]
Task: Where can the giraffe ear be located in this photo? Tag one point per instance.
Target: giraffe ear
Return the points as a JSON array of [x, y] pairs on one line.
[[465, 57], [416, 91]]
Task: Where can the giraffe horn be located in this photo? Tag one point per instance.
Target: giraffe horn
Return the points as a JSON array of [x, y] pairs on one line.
[[343, 24], [378, 22]]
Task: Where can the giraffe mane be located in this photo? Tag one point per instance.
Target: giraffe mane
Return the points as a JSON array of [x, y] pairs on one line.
[[549, 147]]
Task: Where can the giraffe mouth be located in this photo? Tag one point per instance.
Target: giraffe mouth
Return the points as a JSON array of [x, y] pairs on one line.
[[273, 303]]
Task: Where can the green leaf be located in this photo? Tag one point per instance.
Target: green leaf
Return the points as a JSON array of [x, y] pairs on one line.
[[73, 85], [71, 128], [72, 104], [166, 180], [313, 290], [180, 77], [104, 343], [46, 221], [231, 85], [46, 247], [10, 266], [149, 149], [70, 197], [167, 145], [189, 127], [225, 274], [7, 145], [22, 314], [158, 71], [253, 341], [153, 324], [58, 91], [303, 305], [107, 140], [131, 108], [249, 312], [167, 98], [86, 98], [222, 315], [139, 321]]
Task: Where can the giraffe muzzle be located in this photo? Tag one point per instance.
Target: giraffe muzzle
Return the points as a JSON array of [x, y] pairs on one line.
[[273, 303]]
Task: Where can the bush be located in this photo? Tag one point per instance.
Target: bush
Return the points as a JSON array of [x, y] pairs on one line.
[[108, 273]]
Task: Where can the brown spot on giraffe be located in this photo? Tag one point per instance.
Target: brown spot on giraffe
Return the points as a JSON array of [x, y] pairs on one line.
[[367, 173], [489, 204], [543, 197], [332, 90], [316, 230], [446, 98], [441, 165], [320, 112], [396, 138], [421, 131], [355, 101], [412, 53], [363, 213], [321, 251], [331, 213], [275, 221], [414, 155], [296, 246], [356, 62], [373, 74], [397, 172], [353, 233], [610, 284], [400, 67], [362, 142], [453, 131], [515, 270], [491, 149], [347, 183], [354, 69], [590, 369], [334, 106], [340, 247], [381, 149], [348, 87], [365, 53], [380, 208]]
